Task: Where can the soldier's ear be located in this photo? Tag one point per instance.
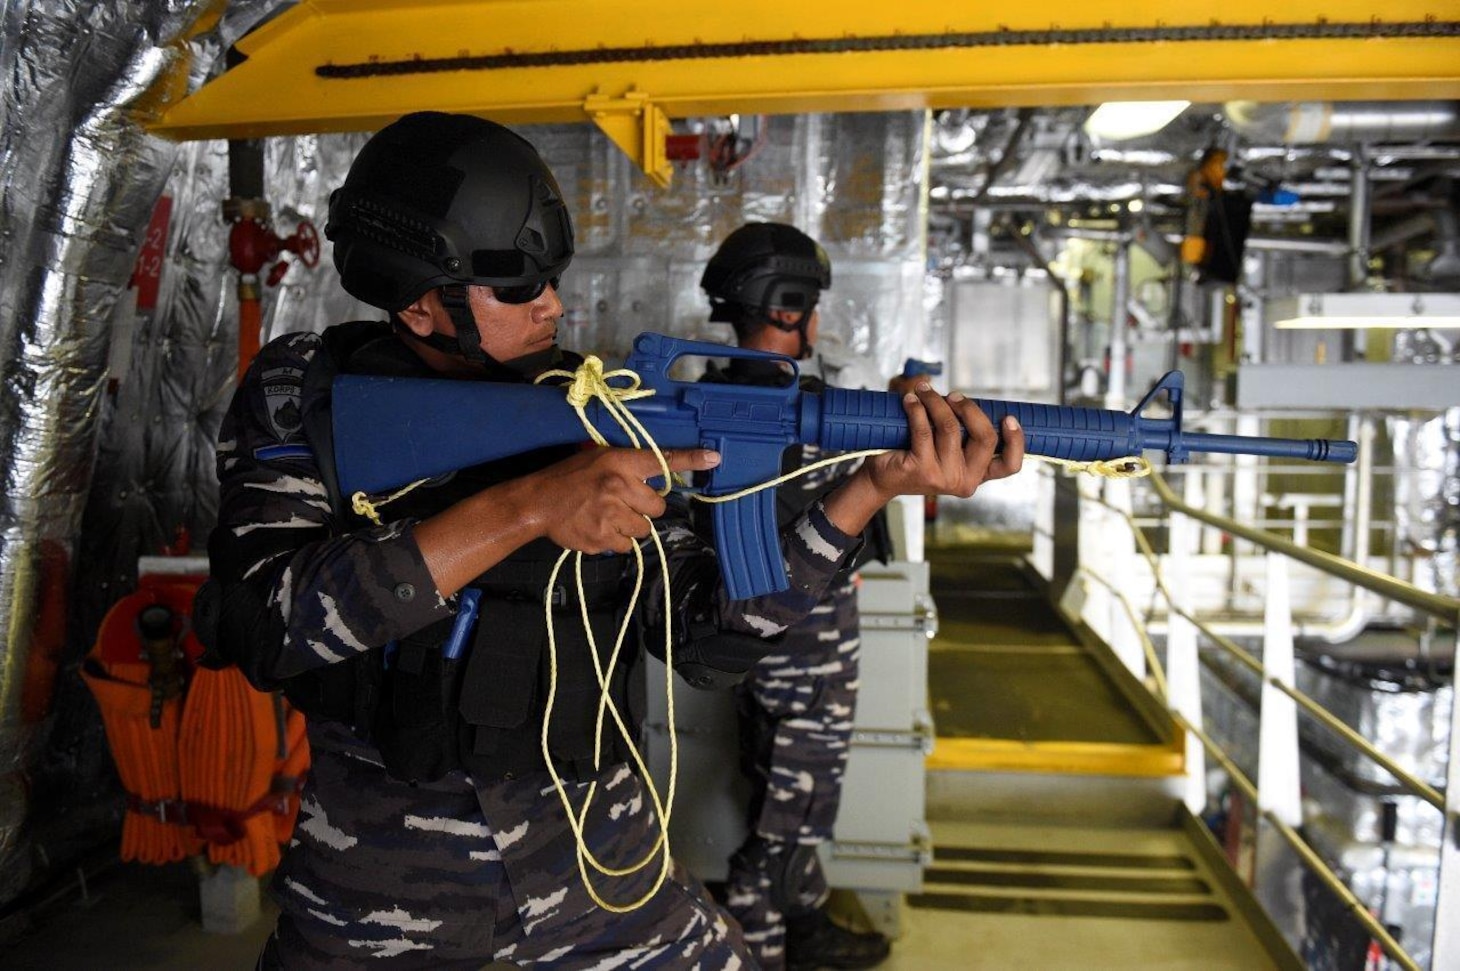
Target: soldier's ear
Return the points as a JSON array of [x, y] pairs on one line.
[[421, 315]]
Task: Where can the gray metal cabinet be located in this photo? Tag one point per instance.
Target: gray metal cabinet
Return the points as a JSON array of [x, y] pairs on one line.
[[881, 843]]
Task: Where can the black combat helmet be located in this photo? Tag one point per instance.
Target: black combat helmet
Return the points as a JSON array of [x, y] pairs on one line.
[[443, 200], [762, 267]]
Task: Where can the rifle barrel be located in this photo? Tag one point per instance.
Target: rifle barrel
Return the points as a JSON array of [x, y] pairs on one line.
[[1312, 449]]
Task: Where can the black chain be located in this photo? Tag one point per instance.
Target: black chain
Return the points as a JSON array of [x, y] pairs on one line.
[[1054, 36]]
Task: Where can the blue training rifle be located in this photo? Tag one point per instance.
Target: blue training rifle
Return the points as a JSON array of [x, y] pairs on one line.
[[389, 432]]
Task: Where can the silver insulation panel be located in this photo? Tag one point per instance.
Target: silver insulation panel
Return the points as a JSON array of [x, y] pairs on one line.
[[80, 179], [110, 411], [1344, 793], [854, 182], [1427, 496]]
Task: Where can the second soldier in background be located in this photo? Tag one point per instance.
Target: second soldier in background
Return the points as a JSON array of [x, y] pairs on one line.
[[795, 706]]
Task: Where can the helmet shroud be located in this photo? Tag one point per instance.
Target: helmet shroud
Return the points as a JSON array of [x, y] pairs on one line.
[[435, 199], [763, 267], [441, 200]]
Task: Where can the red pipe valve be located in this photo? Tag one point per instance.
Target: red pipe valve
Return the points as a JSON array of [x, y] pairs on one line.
[[252, 244]]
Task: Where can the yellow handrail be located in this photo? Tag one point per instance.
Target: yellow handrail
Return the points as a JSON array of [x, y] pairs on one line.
[[1300, 846], [1435, 604], [1415, 785], [1153, 662]]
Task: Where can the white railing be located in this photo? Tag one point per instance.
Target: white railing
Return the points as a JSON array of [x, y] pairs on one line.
[[1111, 542]]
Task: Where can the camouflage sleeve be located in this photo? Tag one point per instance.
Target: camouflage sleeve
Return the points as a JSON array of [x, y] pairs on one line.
[[814, 550], [298, 594], [794, 496]]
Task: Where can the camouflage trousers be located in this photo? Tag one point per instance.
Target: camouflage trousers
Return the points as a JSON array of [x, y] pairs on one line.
[[381, 874], [796, 710]]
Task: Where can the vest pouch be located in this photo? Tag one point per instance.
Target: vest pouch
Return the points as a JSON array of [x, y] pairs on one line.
[[575, 714], [505, 690], [500, 707], [346, 692], [500, 686], [415, 721]]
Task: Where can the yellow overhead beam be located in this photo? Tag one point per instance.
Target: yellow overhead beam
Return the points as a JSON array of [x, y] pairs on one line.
[[636, 126], [342, 65]]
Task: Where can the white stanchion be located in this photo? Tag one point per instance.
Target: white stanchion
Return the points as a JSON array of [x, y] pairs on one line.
[[1095, 599], [1042, 556], [1183, 670], [1278, 789], [1446, 953], [1119, 567], [1278, 786]]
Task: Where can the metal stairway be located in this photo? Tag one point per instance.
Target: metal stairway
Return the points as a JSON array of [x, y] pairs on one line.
[[1059, 839]]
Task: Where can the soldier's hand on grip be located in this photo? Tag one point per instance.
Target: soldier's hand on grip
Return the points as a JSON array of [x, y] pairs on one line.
[[939, 460], [596, 501]]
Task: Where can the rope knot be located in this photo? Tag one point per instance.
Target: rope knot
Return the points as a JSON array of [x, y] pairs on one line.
[[370, 509], [1129, 467], [362, 506], [589, 380]]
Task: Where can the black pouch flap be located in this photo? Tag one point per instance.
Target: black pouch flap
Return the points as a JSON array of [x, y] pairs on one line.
[[500, 687], [575, 709]]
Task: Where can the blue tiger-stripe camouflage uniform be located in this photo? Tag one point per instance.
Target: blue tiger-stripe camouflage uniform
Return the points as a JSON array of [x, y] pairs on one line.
[[454, 871], [795, 713]]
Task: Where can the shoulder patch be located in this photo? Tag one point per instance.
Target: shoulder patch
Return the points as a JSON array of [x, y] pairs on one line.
[[283, 388], [280, 374]]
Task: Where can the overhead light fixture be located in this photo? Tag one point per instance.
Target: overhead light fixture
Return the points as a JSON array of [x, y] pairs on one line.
[[1117, 121], [1366, 311]]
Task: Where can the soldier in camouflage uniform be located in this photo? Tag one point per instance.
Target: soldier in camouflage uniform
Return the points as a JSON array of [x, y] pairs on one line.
[[796, 706], [430, 833]]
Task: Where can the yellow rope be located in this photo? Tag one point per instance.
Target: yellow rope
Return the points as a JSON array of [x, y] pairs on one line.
[[363, 505], [805, 469], [588, 382], [662, 809], [1129, 467], [585, 384]]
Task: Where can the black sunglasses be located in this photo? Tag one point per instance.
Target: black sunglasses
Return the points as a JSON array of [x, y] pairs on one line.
[[524, 292]]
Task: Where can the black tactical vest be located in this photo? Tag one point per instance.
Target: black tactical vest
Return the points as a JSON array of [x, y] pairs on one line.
[[484, 711]]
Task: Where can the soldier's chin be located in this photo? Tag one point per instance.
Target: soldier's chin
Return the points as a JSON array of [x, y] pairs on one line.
[[530, 365]]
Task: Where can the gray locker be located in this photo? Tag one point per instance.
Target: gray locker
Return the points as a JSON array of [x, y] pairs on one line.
[[881, 842]]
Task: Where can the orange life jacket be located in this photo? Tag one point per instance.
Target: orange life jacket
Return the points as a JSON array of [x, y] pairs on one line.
[[207, 762]]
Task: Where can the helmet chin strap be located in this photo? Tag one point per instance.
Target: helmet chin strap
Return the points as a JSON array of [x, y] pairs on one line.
[[468, 342], [457, 304]]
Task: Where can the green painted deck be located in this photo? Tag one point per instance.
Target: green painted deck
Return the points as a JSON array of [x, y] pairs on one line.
[[1059, 841], [1012, 686]]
